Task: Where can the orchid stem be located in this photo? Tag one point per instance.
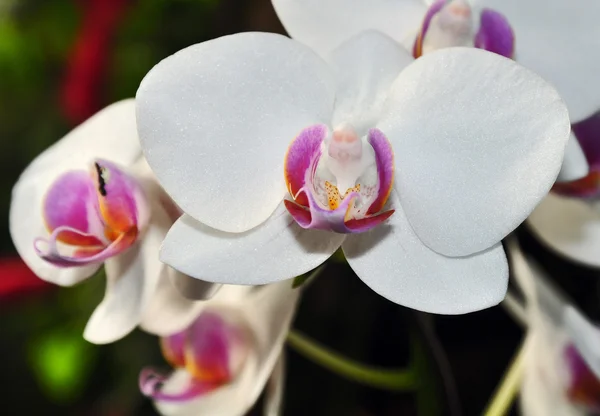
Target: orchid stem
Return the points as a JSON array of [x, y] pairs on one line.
[[507, 391], [399, 380]]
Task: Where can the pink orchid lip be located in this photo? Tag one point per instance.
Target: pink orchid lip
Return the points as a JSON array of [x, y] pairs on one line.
[[495, 33], [91, 215], [212, 351], [320, 205], [584, 386]]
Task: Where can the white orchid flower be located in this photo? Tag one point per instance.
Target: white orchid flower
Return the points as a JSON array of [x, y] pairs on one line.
[[568, 220], [461, 128], [223, 360], [90, 199], [540, 34], [562, 349]]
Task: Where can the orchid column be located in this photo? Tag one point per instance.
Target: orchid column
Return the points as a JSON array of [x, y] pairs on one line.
[[417, 169]]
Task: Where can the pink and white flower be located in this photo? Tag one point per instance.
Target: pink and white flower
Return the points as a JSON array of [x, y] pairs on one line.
[[90, 199], [562, 348], [224, 359], [446, 141]]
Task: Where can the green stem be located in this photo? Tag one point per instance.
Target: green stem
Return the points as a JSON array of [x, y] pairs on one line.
[[400, 379], [509, 386]]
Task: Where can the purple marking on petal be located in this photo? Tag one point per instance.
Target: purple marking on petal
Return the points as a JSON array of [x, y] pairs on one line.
[[588, 136], [71, 202], [431, 12], [304, 150], [118, 196], [151, 382], [323, 218], [584, 388], [211, 341], [495, 34], [53, 255], [365, 224], [384, 158], [173, 348], [299, 212]]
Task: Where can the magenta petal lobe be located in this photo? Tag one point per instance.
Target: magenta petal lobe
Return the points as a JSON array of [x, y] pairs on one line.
[[495, 34]]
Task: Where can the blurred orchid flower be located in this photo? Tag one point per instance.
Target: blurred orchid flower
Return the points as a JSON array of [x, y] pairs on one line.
[[562, 348], [216, 120], [91, 199], [539, 34], [568, 219], [223, 360]]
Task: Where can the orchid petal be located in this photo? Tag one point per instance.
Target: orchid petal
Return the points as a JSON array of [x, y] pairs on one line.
[[465, 180], [575, 165], [110, 134], [215, 120], [247, 258], [132, 279], [269, 310], [169, 310], [365, 67], [547, 29], [323, 25], [393, 262], [543, 391], [495, 34], [585, 336], [568, 226], [274, 391]]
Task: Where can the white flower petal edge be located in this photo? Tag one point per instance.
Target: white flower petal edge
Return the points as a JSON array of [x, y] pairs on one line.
[[274, 391], [272, 88], [110, 134], [575, 165], [276, 250], [466, 126], [585, 336], [269, 311], [365, 68], [569, 226], [563, 53], [131, 282], [545, 372], [324, 24], [393, 262]]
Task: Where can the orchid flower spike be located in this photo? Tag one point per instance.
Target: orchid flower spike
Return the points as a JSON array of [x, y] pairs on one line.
[[539, 34], [91, 199], [417, 169], [223, 360], [562, 348]]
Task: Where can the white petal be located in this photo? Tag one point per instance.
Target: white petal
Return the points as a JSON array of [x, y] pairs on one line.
[[323, 25], [192, 288], [274, 392], [215, 120], [560, 41], [269, 310], [110, 134], [168, 310], [575, 165], [585, 336], [543, 388], [393, 262], [276, 250], [570, 227], [365, 68], [467, 127], [132, 280]]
